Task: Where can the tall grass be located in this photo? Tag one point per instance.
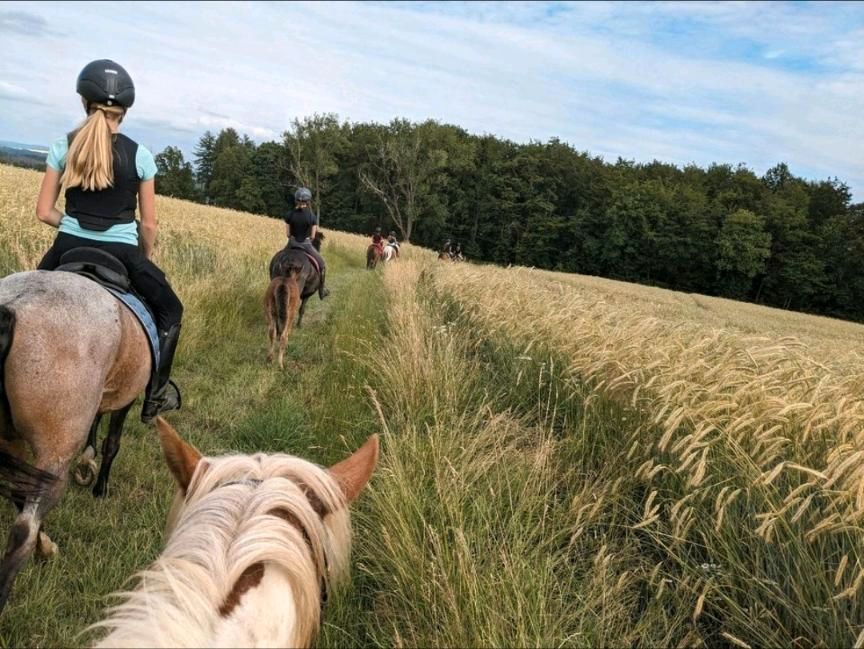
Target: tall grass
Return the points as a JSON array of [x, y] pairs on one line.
[[735, 468], [463, 540]]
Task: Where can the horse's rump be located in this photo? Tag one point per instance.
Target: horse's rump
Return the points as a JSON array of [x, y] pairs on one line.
[[286, 260], [72, 337], [296, 261], [76, 352], [18, 479]]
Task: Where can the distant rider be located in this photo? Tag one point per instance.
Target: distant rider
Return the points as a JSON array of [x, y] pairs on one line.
[[378, 240], [393, 242], [301, 226], [107, 176]]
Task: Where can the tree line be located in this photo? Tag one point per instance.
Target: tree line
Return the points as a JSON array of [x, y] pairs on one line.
[[723, 230]]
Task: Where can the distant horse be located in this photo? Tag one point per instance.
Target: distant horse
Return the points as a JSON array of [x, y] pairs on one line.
[[389, 254], [373, 255], [69, 351], [293, 280], [254, 544], [450, 256]]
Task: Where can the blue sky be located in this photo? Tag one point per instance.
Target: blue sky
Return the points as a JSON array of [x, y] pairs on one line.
[[684, 82]]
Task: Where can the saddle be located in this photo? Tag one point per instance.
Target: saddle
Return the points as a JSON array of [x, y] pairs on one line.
[[98, 265], [110, 273], [296, 245]]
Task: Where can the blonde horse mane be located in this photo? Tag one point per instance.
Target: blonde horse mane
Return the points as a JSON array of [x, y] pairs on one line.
[[274, 513]]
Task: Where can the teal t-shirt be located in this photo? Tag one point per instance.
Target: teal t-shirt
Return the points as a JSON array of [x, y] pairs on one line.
[[121, 233]]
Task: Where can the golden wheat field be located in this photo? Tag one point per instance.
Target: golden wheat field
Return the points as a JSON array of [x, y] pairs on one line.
[[734, 407], [568, 460], [789, 399]]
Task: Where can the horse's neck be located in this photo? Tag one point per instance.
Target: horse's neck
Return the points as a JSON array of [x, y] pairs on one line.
[[264, 616], [200, 595], [255, 623]]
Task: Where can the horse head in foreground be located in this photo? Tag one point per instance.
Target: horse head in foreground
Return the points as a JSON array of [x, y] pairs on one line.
[[294, 278], [69, 351], [254, 544]]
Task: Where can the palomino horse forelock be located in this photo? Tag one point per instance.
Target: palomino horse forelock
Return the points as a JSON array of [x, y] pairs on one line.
[[71, 351], [254, 542]]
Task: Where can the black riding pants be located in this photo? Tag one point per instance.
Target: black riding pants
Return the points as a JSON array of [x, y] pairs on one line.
[[147, 280]]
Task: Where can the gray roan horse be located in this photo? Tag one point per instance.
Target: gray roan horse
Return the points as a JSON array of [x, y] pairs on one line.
[[69, 352], [293, 280]]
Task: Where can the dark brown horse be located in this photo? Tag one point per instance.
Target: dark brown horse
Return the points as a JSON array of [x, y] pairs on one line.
[[293, 280], [373, 255], [69, 351]]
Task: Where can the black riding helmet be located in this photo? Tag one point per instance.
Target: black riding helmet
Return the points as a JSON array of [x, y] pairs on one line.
[[106, 82], [303, 195]]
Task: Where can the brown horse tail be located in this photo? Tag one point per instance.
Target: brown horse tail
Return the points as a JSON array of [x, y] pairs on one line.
[[291, 299], [284, 301], [18, 480]]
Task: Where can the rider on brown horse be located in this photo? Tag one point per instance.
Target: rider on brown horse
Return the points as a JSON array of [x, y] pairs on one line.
[[301, 225], [378, 240], [107, 175]]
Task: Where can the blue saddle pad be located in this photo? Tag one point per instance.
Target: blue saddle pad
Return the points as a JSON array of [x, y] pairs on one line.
[[137, 307]]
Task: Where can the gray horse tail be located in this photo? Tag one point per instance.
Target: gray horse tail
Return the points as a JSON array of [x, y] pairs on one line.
[[7, 330], [18, 479]]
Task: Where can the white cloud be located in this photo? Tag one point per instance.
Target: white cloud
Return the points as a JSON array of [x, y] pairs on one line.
[[597, 74], [12, 92]]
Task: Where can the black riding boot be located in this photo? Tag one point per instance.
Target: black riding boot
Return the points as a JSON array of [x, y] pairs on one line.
[[162, 394], [322, 292]]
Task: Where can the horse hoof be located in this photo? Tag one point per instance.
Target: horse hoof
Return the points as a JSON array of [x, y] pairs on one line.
[[85, 472], [47, 548]]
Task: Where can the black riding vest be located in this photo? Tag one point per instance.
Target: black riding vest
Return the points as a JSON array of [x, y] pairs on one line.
[[99, 210]]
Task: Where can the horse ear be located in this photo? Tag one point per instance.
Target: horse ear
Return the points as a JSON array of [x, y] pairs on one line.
[[182, 457], [354, 472]]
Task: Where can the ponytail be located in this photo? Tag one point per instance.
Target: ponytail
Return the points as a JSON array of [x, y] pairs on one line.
[[90, 160]]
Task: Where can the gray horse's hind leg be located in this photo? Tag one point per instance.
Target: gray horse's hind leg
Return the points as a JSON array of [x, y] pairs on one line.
[[109, 449], [85, 468], [24, 535]]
